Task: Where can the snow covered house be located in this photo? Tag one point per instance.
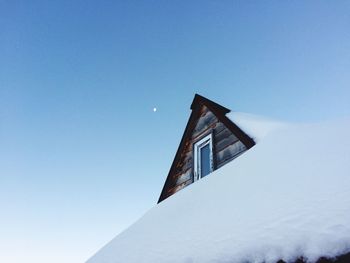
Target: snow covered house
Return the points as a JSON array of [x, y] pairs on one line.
[[287, 199], [210, 141]]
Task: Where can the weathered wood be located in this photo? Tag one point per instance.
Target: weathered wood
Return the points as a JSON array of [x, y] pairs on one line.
[[187, 175], [207, 130], [229, 152], [188, 164], [228, 142], [219, 127], [225, 142], [184, 159], [177, 188], [226, 147], [223, 135], [228, 160], [178, 174], [203, 123]]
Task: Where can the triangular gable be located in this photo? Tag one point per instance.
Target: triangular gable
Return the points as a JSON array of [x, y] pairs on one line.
[[207, 117]]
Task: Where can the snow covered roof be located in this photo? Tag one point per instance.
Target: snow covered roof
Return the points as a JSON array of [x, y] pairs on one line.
[[257, 127], [288, 196]]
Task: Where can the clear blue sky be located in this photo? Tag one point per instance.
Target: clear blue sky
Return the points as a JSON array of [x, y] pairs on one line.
[[83, 155]]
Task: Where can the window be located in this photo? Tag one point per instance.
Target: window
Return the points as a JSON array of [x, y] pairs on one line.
[[203, 157]]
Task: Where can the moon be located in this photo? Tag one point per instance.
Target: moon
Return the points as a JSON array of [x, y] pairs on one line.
[[154, 109]]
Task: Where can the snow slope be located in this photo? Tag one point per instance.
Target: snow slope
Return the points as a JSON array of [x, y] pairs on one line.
[[257, 127], [288, 196]]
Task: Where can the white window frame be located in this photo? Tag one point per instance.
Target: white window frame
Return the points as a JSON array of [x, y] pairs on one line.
[[197, 158]]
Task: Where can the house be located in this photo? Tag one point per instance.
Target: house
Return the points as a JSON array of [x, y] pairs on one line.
[[287, 199], [210, 141]]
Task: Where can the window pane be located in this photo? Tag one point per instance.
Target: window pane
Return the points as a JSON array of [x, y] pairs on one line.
[[205, 160]]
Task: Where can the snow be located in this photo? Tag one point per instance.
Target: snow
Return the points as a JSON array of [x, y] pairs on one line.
[[257, 127], [286, 197]]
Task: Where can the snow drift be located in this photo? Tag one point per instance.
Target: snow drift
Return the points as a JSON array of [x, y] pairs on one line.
[[288, 196]]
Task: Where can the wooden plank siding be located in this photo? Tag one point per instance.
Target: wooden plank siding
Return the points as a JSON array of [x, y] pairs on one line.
[[228, 142], [226, 147], [229, 153]]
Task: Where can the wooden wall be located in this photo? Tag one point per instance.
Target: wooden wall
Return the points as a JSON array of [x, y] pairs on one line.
[[226, 147]]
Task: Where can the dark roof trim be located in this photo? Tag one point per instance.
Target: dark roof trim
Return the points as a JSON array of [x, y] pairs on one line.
[[188, 130], [220, 113], [198, 99]]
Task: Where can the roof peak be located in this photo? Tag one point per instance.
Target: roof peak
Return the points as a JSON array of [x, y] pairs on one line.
[[200, 100]]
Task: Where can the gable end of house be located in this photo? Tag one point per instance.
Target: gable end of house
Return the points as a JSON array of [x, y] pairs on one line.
[[210, 140]]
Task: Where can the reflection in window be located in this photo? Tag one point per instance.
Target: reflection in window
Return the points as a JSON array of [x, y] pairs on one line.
[[203, 157], [205, 160]]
